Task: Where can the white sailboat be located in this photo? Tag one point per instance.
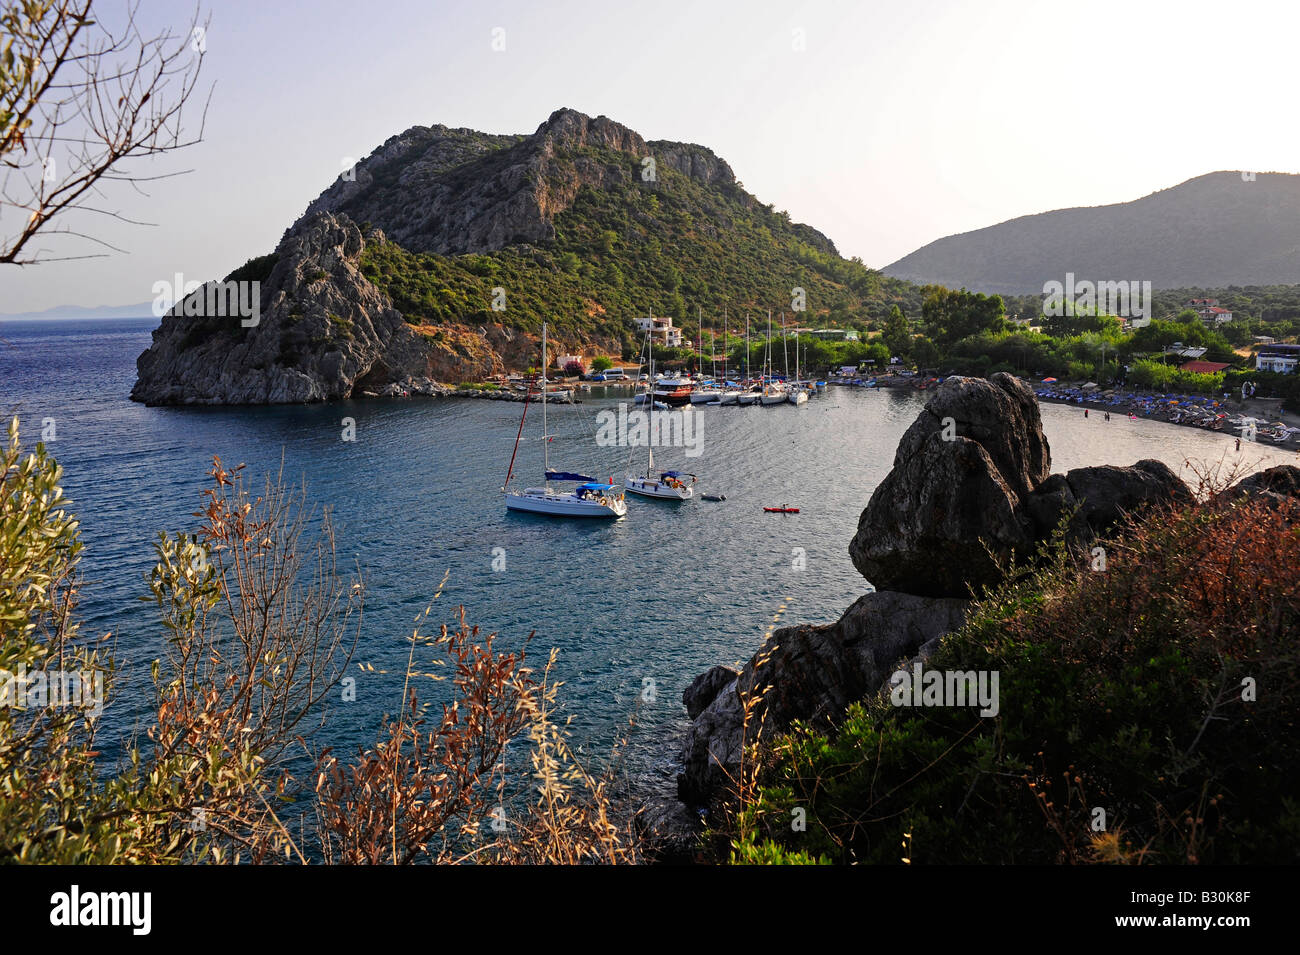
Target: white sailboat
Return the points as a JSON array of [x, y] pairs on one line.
[[705, 392], [774, 392], [590, 498], [747, 396], [667, 485], [798, 390]]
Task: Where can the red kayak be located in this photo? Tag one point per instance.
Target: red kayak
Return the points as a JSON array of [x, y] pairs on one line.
[[782, 510]]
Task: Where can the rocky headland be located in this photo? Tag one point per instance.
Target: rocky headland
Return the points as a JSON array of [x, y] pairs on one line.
[[395, 280]]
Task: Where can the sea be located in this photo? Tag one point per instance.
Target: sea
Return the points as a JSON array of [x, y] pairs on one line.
[[636, 608]]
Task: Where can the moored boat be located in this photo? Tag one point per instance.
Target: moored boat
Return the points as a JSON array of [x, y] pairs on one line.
[[590, 498]]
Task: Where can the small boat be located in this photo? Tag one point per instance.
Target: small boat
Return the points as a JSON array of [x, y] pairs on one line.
[[673, 391], [670, 486], [706, 395], [782, 510], [713, 497]]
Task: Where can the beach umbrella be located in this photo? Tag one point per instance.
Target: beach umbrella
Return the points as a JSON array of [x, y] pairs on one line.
[[1048, 381]]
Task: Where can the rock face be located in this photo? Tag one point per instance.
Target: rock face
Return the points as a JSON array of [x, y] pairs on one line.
[[956, 492], [1276, 484], [971, 476], [812, 673], [434, 189], [326, 332], [1103, 496]]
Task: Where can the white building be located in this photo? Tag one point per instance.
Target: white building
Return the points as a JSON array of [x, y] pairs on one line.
[[1209, 310], [1279, 358], [661, 330]]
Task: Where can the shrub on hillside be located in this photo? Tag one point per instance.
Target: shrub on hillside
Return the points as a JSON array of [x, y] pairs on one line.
[[1162, 692]]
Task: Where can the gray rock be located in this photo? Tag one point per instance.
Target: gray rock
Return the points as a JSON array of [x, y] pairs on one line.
[[938, 525], [1098, 498], [324, 332], [704, 688], [808, 673], [1275, 483], [435, 189], [950, 511], [1000, 414]]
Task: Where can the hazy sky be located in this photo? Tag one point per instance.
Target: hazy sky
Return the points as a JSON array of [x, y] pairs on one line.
[[896, 124]]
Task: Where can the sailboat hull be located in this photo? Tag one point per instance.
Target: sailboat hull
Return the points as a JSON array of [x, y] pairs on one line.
[[563, 505], [663, 492]]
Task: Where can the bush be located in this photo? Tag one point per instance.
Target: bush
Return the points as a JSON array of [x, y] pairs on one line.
[[1127, 691], [257, 630]]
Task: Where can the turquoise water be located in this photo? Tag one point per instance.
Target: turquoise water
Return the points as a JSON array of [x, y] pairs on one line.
[[661, 595]]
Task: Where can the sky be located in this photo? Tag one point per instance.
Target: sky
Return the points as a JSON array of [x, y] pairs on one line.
[[885, 125]]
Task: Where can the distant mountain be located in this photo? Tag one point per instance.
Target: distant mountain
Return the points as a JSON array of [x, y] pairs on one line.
[[1213, 231], [438, 258], [142, 310]]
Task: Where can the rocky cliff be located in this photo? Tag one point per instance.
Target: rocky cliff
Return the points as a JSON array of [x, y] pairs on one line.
[[436, 259], [434, 189]]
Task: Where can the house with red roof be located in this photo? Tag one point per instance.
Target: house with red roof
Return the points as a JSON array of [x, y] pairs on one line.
[[1204, 367], [1209, 310]]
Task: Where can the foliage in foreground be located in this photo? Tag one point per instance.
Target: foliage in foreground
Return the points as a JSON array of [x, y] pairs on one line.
[[258, 630], [1163, 691]]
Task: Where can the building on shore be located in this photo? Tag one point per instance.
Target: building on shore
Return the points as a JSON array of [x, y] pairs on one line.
[[1277, 358], [1209, 310], [661, 331]]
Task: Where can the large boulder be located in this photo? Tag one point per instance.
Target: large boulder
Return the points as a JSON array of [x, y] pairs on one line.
[[1275, 484], [950, 512], [1100, 497], [970, 489], [704, 689], [809, 673], [1000, 414]]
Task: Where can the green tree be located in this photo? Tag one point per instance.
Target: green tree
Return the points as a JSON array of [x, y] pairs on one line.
[[950, 316], [897, 334], [601, 363], [925, 353]]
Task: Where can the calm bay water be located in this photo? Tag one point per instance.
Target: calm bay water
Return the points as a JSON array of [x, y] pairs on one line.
[[661, 595]]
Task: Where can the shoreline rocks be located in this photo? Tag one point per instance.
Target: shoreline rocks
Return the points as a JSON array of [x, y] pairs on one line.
[[970, 490]]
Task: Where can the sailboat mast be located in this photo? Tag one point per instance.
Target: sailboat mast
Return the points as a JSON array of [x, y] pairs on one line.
[[546, 439], [650, 402], [747, 374], [796, 359], [785, 347], [699, 320], [767, 353]]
